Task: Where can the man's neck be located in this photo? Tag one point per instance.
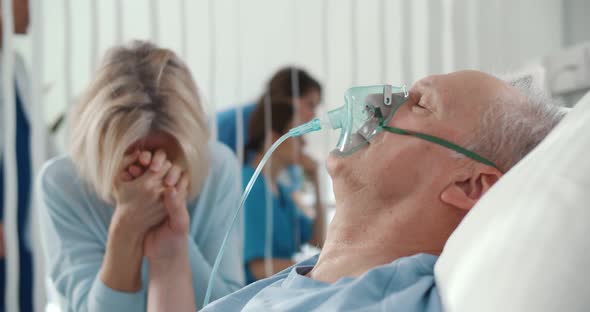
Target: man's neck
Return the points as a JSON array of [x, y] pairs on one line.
[[359, 240]]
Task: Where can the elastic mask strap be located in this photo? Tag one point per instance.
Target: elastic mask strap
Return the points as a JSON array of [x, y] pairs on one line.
[[433, 139], [444, 143]]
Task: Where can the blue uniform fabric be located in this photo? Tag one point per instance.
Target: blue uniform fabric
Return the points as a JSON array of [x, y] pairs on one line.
[[74, 227], [23, 165], [226, 123], [226, 131], [406, 284], [291, 227]]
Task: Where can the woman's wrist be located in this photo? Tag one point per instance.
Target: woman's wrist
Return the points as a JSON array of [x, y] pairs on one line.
[[170, 284], [169, 253], [123, 226], [159, 265], [121, 268]]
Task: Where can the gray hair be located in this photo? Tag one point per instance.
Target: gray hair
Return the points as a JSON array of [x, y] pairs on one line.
[[514, 126]]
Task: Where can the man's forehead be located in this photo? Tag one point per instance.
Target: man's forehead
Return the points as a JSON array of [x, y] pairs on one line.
[[463, 77], [468, 86]]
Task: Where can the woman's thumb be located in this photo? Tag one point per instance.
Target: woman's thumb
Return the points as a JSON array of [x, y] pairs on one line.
[[176, 209]]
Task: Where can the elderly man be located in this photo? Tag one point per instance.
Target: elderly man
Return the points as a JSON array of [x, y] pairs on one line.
[[397, 202]]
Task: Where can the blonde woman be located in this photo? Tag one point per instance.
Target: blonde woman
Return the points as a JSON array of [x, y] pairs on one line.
[[139, 150]]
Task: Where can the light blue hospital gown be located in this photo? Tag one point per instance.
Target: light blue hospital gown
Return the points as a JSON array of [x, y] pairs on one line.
[[406, 284], [75, 228]]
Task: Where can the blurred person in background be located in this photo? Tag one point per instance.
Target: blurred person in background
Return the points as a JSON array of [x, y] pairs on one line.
[[291, 227], [305, 101]]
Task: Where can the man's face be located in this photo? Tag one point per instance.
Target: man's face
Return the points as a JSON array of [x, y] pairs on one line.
[[396, 167]]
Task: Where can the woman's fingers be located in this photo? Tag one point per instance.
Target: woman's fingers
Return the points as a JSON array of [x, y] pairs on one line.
[[130, 159], [154, 178], [126, 162], [135, 170], [125, 176], [173, 176], [158, 161], [183, 184], [145, 158], [176, 208], [163, 170]]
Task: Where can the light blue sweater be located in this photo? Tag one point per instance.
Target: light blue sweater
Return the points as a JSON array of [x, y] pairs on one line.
[[74, 227]]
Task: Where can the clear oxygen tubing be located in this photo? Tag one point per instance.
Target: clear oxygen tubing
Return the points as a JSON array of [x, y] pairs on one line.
[[212, 69], [314, 125], [68, 53], [38, 145], [10, 171]]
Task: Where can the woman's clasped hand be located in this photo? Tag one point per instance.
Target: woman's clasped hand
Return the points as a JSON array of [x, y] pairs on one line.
[[150, 195]]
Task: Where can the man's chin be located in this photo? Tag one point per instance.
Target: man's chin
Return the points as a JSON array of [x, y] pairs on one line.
[[336, 163], [333, 163]]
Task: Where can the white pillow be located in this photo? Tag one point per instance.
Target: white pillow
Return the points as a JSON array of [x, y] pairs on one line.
[[526, 245]]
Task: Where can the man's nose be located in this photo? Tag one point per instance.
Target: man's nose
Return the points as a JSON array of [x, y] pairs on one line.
[[403, 110]]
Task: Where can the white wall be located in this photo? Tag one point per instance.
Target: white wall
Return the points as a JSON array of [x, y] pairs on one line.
[[576, 22], [423, 36]]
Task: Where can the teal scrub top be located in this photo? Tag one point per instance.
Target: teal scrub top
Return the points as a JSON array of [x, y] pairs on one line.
[[291, 228], [226, 131]]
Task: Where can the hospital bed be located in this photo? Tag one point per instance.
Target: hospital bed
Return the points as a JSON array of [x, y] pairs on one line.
[[526, 245]]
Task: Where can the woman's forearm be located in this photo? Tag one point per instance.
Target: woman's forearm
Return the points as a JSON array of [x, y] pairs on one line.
[[121, 268], [170, 286]]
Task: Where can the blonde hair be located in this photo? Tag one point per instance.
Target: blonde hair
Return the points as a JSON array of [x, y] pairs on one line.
[[139, 88]]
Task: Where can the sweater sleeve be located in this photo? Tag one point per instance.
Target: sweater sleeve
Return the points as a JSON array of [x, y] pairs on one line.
[[218, 201], [74, 245]]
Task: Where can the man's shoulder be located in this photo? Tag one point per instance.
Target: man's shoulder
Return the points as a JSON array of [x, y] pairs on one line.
[[239, 299]]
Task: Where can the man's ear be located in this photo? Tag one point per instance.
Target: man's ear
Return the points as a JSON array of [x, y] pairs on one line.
[[467, 189]]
